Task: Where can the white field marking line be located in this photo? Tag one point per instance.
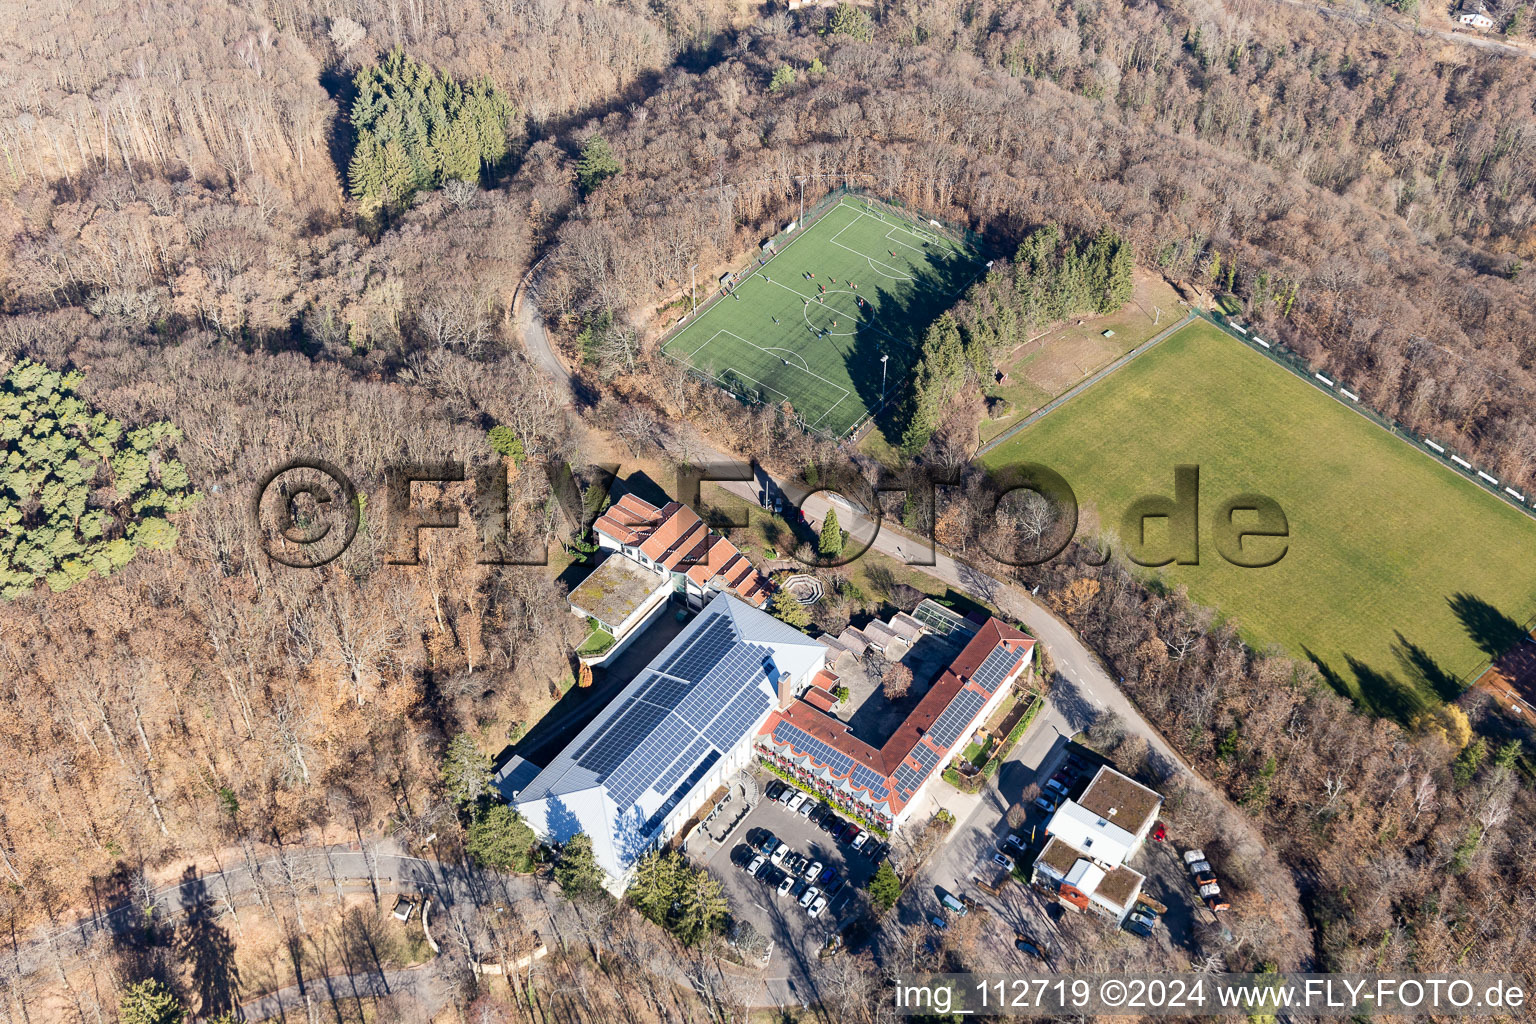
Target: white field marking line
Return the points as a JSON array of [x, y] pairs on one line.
[[719, 377], [855, 316], [803, 365], [813, 373], [951, 249], [701, 345], [874, 264], [817, 424]]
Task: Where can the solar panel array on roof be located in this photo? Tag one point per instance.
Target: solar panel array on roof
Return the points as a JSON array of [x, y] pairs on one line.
[[665, 691], [635, 774], [654, 821], [687, 760], [707, 648], [995, 668], [804, 742], [925, 755], [737, 718], [625, 732], [952, 721], [908, 779], [871, 780], [732, 671]]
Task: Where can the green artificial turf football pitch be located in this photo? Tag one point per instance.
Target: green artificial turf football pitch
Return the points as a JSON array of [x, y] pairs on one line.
[[784, 335], [1399, 574]]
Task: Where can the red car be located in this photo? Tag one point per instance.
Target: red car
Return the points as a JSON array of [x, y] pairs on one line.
[[1159, 832]]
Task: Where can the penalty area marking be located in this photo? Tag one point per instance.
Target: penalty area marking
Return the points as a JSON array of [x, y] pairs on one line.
[[802, 369]]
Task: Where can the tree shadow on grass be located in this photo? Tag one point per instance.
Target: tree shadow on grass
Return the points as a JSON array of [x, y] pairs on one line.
[[1490, 629], [1422, 668], [1376, 692]]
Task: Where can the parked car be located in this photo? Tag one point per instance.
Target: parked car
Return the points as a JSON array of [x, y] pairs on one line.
[[786, 885], [812, 871], [860, 839], [1056, 786], [1023, 945], [794, 862], [770, 844], [786, 793], [1002, 860], [798, 889], [953, 905], [938, 922], [1209, 889], [832, 824], [817, 907], [796, 801], [775, 789], [780, 852], [762, 869], [756, 865], [1045, 803], [849, 833], [807, 807], [1159, 832], [835, 886], [1191, 856], [827, 874], [1144, 917], [870, 848], [1014, 841], [809, 896], [819, 813]]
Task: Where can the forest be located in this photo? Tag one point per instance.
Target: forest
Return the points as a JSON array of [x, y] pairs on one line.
[[183, 240]]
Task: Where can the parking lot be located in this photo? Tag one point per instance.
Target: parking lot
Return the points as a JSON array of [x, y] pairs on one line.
[[772, 900]]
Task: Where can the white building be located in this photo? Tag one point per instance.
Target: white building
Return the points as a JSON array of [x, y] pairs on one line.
[[1091, 841], [1474, 15], [679, 731]]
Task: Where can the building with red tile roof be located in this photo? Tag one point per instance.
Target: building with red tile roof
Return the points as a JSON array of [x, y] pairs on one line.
[[882, 785], [674, 540]]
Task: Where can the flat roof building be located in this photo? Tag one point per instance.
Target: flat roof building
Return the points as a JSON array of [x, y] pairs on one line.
[[1091, 840]]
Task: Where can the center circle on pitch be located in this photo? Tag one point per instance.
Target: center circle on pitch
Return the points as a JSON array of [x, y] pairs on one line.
[[821, 314]]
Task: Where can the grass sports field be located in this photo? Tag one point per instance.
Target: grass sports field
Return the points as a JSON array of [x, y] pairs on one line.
[[816, 342], [1396, 566]]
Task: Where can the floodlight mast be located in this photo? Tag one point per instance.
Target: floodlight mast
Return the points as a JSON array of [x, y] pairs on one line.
[[693, 288], [884, 367], [801, 222]]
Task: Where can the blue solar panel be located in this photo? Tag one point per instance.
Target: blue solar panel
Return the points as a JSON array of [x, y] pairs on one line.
[[953, 720], [639, 771], [839, 762], [908, 779], [666, 691], [926, 756], [682, 764], [654, 821], [591, 740], [877, 784], [995, 668], [706, 649], [738, 670], [625, 733], [737, 718]]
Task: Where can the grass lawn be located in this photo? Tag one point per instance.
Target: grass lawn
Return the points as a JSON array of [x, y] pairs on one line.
[[1398, 571], [817, 342], [1061, 356]]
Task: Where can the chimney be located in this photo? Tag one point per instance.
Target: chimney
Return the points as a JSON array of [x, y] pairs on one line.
[[780, 681]]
